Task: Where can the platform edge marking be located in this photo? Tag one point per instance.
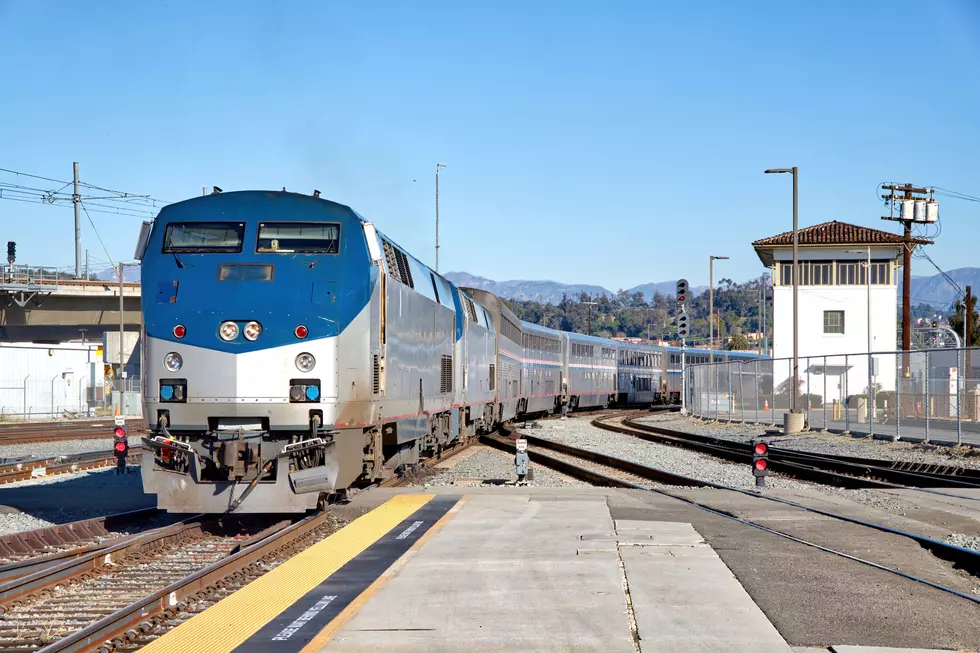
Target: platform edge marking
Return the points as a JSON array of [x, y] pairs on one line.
[[322, 638], [230, 622]]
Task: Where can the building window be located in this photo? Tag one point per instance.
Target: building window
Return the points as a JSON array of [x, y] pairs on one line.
[[833, 321]]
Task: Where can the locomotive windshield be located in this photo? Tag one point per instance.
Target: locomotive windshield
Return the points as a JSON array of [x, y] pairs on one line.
[[190, 237], [302, 237]]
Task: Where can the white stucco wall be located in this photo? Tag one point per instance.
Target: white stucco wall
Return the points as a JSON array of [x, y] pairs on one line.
[[814, 344]]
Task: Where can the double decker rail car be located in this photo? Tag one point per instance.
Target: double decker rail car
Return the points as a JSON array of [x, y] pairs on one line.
[[292, 351], [641, 375]]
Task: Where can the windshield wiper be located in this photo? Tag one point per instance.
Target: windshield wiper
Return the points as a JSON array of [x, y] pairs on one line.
[[177, 258]]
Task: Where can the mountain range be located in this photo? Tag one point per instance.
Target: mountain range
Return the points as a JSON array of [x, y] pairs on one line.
[[934, 290], [552, 291]]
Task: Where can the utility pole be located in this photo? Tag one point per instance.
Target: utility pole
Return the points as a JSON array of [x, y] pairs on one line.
[[76, 200], [968, 336], [910, 213], [711, 298], [438, 165], [590, 304]]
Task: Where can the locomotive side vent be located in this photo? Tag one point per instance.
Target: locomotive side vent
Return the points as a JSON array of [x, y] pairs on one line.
[[404, 270], [377, 375], [446, 384], [493, 376]]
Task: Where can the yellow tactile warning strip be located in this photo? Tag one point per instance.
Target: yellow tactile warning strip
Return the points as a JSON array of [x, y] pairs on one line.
[[237, 617], [325, 635]]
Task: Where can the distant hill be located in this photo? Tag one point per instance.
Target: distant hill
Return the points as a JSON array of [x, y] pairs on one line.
[[552, 291], [129, 274], [541, 291], [937, 291], [933, 290]]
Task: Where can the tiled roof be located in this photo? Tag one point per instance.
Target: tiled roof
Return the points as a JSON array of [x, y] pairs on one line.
[[836, 233]]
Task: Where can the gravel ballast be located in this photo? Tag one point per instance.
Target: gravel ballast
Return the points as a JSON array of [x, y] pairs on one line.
[[101, 480], [490, 464], [579, 432], [825, 443]]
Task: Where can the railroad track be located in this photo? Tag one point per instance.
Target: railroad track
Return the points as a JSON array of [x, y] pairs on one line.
[[843, 471], [27, 469], [28, 552], [128, 593], [609, 471], [412, 476], [30, 433]]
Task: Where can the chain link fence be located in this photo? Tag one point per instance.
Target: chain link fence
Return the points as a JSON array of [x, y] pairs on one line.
[[922, 395], [61, 397]]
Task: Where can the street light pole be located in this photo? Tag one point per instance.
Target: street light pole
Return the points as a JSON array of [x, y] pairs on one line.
[[711, 300], [438, 165], [795, 171]]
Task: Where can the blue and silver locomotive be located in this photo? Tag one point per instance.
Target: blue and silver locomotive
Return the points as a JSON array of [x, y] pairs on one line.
[[292, 351]]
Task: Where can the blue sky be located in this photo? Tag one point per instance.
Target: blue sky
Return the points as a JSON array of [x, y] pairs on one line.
[[587, 142]]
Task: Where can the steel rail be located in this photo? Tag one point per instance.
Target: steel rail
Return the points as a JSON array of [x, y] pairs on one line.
[[25, 470], [140, 617], [839, 470], [80, 537]]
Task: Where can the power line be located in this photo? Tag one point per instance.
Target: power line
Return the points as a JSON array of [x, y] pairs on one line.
[[955, 194], [97, 234]]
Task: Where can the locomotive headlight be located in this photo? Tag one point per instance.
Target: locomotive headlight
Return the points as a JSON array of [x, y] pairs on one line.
[[228, 331], [252, 330], [173, 361], [305, 362]]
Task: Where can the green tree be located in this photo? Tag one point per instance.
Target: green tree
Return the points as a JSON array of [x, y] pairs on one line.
[[738, 342], [957, 318]]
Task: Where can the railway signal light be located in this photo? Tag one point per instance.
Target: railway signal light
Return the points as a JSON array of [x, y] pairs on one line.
[[682, 289], [11, 252], [682, 325], [760, 462]]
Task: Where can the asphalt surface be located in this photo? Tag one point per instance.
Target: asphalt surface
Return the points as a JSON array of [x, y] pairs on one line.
[[814, 598]]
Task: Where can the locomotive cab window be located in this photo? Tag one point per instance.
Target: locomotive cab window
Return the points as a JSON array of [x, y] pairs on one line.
[[299, 237], [203, 237]]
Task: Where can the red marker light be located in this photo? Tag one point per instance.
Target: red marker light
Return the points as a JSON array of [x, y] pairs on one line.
[[761, 449], [301, 331], [120, 432], [180, 331], [120, 446], [761, 465]]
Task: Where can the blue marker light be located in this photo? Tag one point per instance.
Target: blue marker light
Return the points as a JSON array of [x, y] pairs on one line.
[[167, 392], [312, 392]]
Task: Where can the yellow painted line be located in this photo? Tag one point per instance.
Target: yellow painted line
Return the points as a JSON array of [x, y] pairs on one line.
[[237, 617], [337, 622]]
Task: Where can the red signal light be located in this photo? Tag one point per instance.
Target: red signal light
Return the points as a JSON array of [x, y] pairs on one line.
[[761, 465], [180, 331], [761, 448], [681, 298], [301, 331], [120, 432], [120, 447]]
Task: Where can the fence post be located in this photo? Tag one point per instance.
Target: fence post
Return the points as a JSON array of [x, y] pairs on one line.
[[741, 394], [847, 414], [809, 404], [825, 393], [731, 392], [959, 402], [772, 390], [925, 379], [899, 379]]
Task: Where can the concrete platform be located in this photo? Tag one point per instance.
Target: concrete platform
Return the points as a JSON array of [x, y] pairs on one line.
[[548, 573]]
